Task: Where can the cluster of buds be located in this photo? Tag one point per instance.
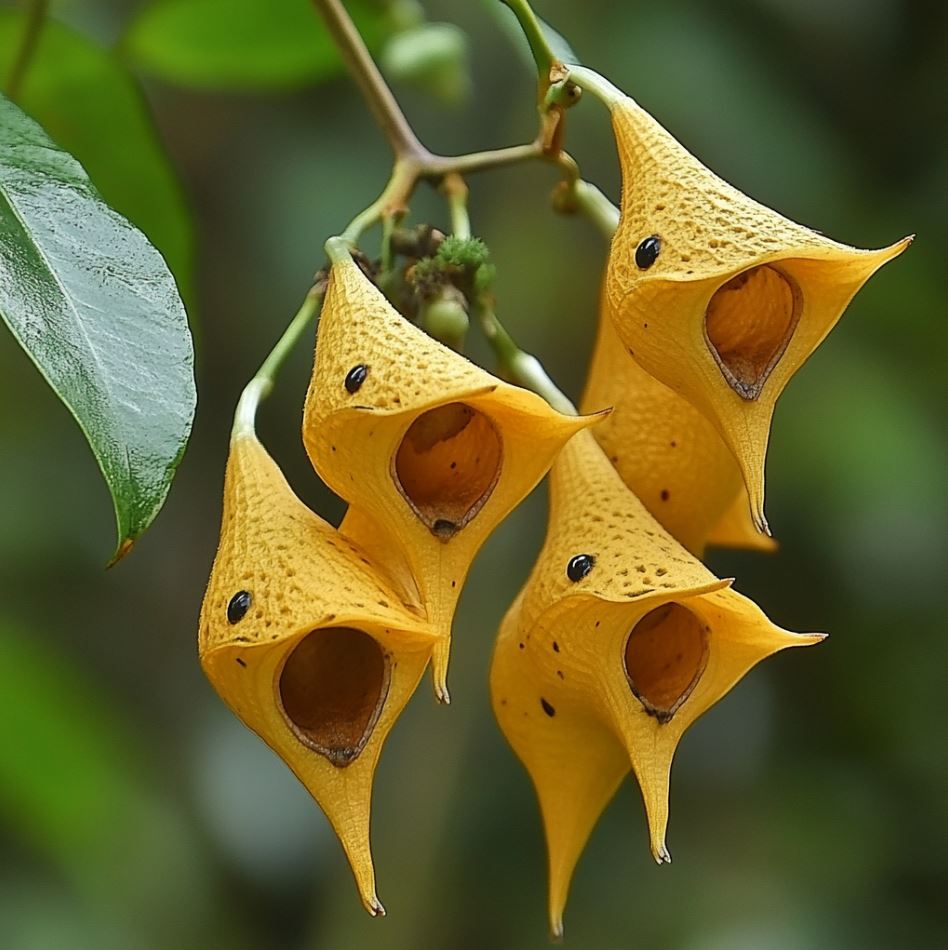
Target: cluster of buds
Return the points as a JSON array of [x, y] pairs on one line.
[[621, 638]]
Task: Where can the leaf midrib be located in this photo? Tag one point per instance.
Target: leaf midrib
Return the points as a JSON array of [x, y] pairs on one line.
[[102, 378]]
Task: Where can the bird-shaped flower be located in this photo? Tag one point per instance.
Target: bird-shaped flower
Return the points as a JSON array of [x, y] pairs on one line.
[[668, 453], [716, 296], [308, 645], [431, 451], [618, 642]]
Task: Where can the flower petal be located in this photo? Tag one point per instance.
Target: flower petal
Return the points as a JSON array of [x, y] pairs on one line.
[[430, 451], [730, 299], [667, 452], [308, 645], [601, 672]]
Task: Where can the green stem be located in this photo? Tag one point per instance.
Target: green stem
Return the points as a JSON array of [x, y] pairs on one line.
[[455, 190], [35, 18], [598, 85], [413, 161], [394, 198], [436, 166], [408, 171], [262, 384], [520, 367], [543, 56], [583, 197], [377, 94]]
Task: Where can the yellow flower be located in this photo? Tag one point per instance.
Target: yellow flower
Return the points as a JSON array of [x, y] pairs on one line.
[[431, 451], [716, 296], [308, 645], [619, 641], [668, 453]]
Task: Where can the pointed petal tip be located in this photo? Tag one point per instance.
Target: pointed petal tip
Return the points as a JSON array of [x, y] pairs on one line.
[[662, 856], [791, 638], [556, 930], [439, 670], [902, 245], [760, 523], [587, 420], [375, 908], [885, 254]]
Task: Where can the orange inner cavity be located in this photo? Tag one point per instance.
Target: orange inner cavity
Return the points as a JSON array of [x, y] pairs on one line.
[[447, 465], [749, 322], [665, 655], [332, 688]]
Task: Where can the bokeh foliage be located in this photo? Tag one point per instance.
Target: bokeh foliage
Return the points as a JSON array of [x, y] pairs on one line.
[[810, 809]]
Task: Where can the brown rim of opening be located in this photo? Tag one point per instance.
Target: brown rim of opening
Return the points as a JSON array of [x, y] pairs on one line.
[[665, 655], [446, 466], [331, 689], [747, 355]]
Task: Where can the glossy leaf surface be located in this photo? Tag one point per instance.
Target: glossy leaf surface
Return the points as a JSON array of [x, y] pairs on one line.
[[96, 309]]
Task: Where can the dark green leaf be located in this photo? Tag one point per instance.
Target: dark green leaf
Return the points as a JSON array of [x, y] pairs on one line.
[[559, 47], [90, 105], [242, 43], [558, 44], [93, 304]]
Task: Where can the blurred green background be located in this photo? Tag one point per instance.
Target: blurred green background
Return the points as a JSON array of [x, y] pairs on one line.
[[809, 809]]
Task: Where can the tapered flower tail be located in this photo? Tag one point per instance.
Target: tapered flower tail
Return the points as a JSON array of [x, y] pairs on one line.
[[716, 296], [736, 529], [667, 452], [309, 645], [575, 766], [618, 642]]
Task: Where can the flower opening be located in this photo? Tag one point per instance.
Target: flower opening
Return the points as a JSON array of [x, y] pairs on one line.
[[332, 688]]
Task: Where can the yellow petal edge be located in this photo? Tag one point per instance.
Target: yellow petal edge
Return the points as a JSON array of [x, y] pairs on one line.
[[735, 299], [668, 453], [307, 644], [600, 674], [431, 451]]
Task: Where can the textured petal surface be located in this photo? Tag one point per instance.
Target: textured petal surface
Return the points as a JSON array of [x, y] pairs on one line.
[[592, 513], [735, 300], [667, 452], [283, 577], [430, 451], [594, 677]]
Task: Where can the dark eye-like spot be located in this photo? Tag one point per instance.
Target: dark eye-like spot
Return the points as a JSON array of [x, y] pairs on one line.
[[356, 377], [547, 708], [579, 566], [647, 252], [238, 606]]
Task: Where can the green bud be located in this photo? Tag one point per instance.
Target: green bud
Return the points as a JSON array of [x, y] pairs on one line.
[[464, 253], [404, 14], [445, 318], [433, 56], [484, 277]]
